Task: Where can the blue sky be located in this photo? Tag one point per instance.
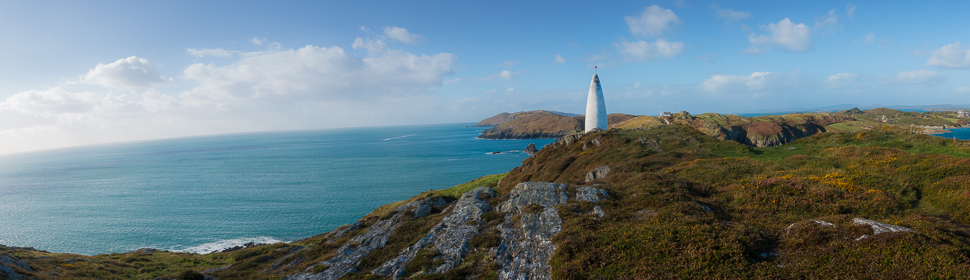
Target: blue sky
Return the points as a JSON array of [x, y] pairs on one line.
[[77, 73]]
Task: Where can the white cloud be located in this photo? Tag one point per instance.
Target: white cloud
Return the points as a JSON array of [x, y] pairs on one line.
[[654, 21], [127, 73], [829, 21], [321, 73], [794, 37], [51, 103], [756, 82], [511, 89], [402, 35], [217, 52], [506, 74], [962, 90], [364, 28], [870, 39], [850, 10], [509, 63], [729, 14], [373, 46], [257, 41], [841, 80], [643, 51], [951, 56], [309, 87], [558, 59], [920, 78]]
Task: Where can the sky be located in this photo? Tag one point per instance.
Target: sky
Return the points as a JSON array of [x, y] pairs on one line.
[[90, 72]]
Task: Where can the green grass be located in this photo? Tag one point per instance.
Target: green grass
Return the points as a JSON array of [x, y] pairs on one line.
[[657, 227], [484, 181], [682, 205], [884, 137], [843, 127]]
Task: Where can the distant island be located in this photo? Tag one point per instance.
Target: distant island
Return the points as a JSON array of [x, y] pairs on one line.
[[763, 131], [674, 196]]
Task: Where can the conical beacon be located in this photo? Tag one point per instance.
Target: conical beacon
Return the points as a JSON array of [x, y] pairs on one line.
[[595, 106]]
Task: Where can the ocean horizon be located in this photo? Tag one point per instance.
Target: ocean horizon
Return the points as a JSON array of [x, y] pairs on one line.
[[206, 193]]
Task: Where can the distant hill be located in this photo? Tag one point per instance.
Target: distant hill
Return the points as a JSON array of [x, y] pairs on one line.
[[843, 107], [506, 117], [538, 124], [761, 131], [664, 201]]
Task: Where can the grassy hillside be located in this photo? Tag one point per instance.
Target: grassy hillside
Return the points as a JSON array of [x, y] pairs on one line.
[[685, 205], [776, 130], [682, 204], [539, 124]]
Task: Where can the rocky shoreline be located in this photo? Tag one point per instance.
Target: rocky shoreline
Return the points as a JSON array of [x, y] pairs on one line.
[[666, 201]]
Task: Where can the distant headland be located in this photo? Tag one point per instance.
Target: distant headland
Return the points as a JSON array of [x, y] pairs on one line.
[[761, 131]]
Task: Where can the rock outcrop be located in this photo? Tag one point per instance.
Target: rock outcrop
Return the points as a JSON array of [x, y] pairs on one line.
[[531, 149], [449, 237], [8, 266], [598, 173], [568, 139], [877, 227], [591, 194], [350, 254], [424, 207], [527, 241]]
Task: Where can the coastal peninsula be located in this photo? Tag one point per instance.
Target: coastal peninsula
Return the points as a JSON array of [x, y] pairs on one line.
[[666, 201]]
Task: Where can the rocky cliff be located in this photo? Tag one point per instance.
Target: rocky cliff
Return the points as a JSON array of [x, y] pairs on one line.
[[666, 202], [763, 131]]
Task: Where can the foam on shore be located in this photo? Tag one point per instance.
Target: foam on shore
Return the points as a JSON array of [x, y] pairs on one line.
[[229, 243]]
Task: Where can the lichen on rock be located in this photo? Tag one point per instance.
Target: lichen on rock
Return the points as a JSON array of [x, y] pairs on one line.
[[591, 194], [598, 173], [349, 255], [877, 227], [449, 237], [527, 246]]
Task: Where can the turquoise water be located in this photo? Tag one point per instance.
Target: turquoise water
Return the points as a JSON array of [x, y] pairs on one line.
[[962, 133], [205, 193]]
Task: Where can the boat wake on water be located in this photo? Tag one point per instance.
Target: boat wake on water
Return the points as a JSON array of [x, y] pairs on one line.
[[399, 137]]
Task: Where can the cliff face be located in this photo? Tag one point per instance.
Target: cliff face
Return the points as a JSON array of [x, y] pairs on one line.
[[767, 131], [777, 130], [669, 201]]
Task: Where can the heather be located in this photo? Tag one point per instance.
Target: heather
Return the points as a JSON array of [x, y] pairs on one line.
[[681, 204]]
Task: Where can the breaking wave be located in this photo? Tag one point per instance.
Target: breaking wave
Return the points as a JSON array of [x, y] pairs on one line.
[[229, 243]]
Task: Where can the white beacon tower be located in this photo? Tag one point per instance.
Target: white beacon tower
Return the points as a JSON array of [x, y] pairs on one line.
[[595, 106]]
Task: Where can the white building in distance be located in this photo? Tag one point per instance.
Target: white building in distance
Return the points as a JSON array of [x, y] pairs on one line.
[[595, 106]]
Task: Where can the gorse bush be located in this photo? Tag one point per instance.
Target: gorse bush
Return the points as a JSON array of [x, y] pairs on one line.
[[681, 204], [704, 208]]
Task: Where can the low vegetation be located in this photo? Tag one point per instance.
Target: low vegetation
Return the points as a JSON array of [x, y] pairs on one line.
[[682, 204], [695, 207]]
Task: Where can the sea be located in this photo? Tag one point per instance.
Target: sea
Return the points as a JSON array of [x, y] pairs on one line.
[[962, 133], [204, 194]]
